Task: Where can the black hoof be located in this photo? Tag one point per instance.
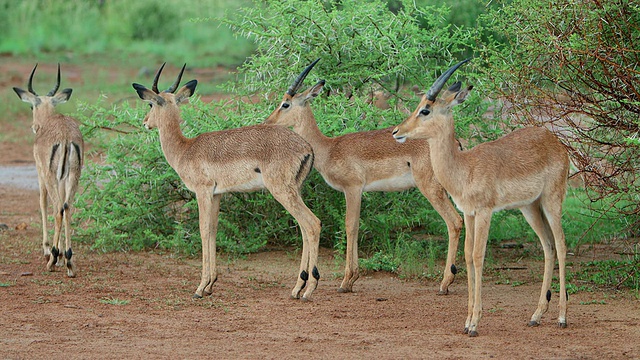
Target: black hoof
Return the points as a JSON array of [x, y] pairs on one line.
[[562, 325], [443, 292], [343, 290], [533, 323], [196, 296], [473, 334], [466, 330]]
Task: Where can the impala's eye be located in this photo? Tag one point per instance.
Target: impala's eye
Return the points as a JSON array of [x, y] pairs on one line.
[[285, 105], [150, 105], [425, 112]]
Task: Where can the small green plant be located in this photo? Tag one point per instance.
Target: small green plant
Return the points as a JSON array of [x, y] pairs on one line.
[[7, 284], [380, 262], [114, 301]]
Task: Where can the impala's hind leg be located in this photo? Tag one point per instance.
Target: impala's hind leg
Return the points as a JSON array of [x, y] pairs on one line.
[[310, 228], [439, 199], [533, 215], [552, 212]]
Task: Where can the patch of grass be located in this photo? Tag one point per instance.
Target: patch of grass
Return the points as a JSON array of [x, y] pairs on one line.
[[7, 284], [114, 301], [593, 302]]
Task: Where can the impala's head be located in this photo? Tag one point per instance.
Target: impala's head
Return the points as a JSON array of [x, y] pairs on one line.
[[432, 110], [294, 104], [164, 101], [46, 103]]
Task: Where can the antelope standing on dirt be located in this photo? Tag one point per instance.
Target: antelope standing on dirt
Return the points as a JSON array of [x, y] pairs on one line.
[[58, 152], [526, 169], [237, 160], [366, 161]]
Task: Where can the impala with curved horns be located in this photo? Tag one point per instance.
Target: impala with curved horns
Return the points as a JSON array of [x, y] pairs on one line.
[[366, 161], [58, 153], [526, 169], [237, 160]]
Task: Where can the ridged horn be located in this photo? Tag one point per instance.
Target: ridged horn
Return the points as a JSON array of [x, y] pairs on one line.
[[30, 83], [437, 86], [296, 84], [57, 86], [154, 87], [175, 85]]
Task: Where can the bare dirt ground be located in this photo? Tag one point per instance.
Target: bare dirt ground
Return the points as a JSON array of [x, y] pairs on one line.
[[138, 305]]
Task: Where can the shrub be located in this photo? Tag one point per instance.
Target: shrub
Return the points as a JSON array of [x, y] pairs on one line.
[[572, 66]]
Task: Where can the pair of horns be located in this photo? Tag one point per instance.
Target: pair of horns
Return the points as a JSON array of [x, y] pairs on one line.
[[431, 94], [50, 93], [171, 88]]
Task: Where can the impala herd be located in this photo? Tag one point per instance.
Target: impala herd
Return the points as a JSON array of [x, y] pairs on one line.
[[526, 169]]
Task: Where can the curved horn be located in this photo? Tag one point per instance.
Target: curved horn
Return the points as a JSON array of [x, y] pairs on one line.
[[175, 85], [57, 86], [154, 87], [296, 84], [29, 84], [437, 86]]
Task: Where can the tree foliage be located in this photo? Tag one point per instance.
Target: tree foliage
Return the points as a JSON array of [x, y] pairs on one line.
[[573, 66], [362, 45]]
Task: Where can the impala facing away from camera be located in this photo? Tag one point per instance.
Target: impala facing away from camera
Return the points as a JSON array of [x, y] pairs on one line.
[[58, 152]]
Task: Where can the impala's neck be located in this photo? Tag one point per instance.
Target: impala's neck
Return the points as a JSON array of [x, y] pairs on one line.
[[447, 159], [309, 130], [172, 140]]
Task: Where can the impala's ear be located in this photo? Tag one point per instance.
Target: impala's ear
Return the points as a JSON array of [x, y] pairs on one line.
[[61, 97], [461, 96], [148, 95], [26, 96], [314, 90], [186, 91]]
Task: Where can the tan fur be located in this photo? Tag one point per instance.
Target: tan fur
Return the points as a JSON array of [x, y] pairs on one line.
[[58, 153], [526, 169], [243, 159], [368, 161]]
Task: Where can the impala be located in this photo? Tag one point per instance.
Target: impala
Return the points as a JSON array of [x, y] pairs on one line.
[[366, 161], [58, 151], [526, 169], [237, 160]]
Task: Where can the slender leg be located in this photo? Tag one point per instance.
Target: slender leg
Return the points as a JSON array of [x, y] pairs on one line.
[[68, 253], [205, 207], [441, 203], [46, 246], [553, 215], [481, 233], [469, 223], [57, 230], [532, 213], [353, 199], [310, 228], [213, 269]]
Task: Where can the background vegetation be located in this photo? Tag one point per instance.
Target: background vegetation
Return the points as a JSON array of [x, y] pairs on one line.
[[133, 200]]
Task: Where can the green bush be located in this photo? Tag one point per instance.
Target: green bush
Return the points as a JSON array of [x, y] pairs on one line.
[[132, 199], [568, 65]]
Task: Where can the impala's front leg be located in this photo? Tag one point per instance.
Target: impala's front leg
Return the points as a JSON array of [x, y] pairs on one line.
[[208, 210], [353, 199], [469, 223], [481, 233]]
